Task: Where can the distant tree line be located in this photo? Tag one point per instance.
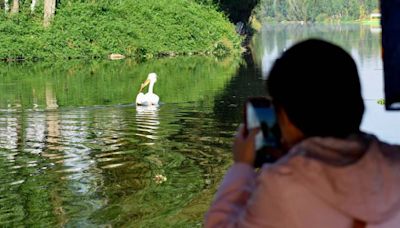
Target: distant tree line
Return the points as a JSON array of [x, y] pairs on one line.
[[316, 10]]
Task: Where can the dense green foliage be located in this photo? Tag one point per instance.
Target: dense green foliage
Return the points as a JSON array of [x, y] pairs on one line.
[[316, 10], [95, 29]]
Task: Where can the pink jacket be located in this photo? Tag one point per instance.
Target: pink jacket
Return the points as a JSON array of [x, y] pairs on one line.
[[321, 183]]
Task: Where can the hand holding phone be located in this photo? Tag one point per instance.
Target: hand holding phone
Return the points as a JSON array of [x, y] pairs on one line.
[[243, 146], [259, 113]]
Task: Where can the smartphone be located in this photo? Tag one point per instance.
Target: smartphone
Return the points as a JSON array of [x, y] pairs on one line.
[[259, 113]]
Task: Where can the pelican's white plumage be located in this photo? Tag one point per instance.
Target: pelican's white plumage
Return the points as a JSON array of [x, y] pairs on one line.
[[149, 98]]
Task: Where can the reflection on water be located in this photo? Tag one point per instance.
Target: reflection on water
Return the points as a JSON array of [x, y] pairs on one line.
[[86, 166], [79, 84], [75, 151], [51, 99], [147, 122], [358, 40]]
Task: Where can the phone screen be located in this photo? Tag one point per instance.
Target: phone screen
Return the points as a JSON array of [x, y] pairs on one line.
[[262, 117]]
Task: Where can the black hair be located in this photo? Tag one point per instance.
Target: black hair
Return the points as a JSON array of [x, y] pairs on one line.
[[318, 86]]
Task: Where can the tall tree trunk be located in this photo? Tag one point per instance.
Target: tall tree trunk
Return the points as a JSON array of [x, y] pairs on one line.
[[49, 10], [6, 6], [33, 5], [15, 7]]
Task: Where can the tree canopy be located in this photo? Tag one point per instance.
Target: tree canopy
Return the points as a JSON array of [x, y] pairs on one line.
[[95, 29]]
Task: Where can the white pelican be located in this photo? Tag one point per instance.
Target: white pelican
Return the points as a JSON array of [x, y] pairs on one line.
[[149, 98]]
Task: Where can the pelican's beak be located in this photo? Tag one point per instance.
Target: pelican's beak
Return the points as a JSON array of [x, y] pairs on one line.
[[144, 84]]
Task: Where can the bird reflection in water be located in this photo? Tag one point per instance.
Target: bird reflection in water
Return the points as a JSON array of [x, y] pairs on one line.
[[147, 122]]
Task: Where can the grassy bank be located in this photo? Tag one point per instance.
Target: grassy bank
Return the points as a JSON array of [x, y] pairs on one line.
[[140, 29]]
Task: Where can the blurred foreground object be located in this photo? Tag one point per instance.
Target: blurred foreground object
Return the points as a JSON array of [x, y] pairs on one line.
[[391, 54]]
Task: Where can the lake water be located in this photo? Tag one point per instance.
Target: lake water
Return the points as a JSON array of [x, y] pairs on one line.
[[75, 151]]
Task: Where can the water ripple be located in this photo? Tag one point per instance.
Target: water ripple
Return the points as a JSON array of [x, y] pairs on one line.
[[79, 161]]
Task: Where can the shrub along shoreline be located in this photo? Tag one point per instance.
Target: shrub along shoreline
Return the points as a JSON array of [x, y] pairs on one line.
[[136, 29]]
